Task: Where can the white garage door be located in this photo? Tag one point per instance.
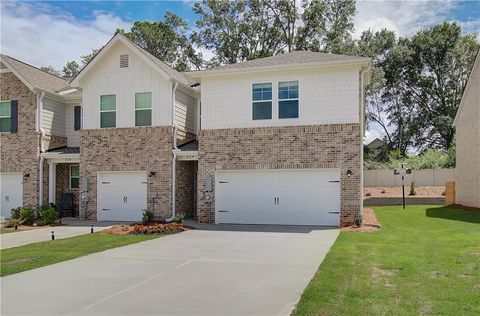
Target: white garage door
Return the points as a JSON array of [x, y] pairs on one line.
[[121, 196], [11, 191], [283, 197]]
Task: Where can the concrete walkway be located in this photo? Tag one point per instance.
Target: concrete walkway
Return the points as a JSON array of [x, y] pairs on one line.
[[72, 227], [214, 270]]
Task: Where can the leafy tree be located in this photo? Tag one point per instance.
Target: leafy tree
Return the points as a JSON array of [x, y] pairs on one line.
[[88, 57], [71, 69], [167, 40], [51, 70]]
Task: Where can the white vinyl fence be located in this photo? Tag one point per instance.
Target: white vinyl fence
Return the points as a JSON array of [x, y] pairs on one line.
[[425, 177]]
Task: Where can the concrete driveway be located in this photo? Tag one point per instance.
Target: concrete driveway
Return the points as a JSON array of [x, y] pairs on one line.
[[71, 228], [215, 270]]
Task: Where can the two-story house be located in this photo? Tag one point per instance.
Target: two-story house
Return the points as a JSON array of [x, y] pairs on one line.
[[276, 140]]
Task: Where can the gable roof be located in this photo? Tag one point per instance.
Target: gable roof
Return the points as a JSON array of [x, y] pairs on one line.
[[475, 72], [165, 70], [292, 59], [32, 76]]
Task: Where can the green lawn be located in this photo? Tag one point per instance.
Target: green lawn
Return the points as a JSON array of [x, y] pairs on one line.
[[18, 259], [425, 260], [7, 230]]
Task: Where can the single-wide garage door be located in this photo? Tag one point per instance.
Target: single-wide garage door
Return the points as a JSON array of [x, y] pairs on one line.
[[11, 191], [121, 196], [282, 197]]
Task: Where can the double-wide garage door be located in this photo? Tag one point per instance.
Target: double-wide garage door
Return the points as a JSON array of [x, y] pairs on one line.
[[121, 196], [283, 197], [11, 191]]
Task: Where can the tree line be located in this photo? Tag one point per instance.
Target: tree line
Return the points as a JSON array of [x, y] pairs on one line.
[[417, 81]]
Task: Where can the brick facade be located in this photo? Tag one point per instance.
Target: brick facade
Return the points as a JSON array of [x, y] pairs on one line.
[[63, 185], [129, 149], [54, 141], [294, 147], [20, 152], [185, 189]]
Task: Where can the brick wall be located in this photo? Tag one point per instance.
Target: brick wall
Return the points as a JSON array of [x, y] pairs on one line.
[[129, 149], [318, 146], [63, 184], [54, 141], [19, 152], [185, 191]]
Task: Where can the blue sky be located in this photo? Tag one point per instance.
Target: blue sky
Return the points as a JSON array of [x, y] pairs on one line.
[[53, 32]]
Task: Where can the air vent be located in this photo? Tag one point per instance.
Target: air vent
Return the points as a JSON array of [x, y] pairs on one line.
[[123, 61]]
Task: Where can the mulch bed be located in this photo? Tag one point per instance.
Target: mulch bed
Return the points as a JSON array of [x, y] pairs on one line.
[[370, 223], [147, 229], [397, 192], [468, 208]]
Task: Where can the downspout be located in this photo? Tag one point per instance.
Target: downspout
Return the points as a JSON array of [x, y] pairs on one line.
[[174, 151], [362, 131], [42, 147]]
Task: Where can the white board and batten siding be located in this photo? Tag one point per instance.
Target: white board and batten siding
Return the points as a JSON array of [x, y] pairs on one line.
[[278, 197], [185, 111], [53, 117], [11, 192], [326, 96], [121, 196], [70, 132], [108, 78]]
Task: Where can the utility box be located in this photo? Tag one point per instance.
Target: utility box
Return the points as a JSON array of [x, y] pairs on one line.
[[208, 183], [450, 193]]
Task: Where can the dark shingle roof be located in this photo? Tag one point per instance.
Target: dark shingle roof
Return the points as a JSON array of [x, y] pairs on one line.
[[36, 77], [65, 150], [189, 146]]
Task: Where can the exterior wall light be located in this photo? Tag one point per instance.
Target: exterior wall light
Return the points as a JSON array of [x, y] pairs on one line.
[[26, 176], [349, 173], [152, 174]]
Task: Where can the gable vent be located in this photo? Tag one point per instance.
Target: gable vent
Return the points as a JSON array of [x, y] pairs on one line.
[[123, 61]]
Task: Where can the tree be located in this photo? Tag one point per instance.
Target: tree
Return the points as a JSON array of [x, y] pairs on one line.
[[51, 70], [71, 69], [167, 40], [88, 57]]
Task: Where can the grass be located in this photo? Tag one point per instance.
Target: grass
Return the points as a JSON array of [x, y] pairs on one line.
[[32, 256], [425, 260], [4, 230]]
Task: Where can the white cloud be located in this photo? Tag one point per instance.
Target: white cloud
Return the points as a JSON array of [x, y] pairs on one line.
[[404, 17], [372, 133], [41, 35]]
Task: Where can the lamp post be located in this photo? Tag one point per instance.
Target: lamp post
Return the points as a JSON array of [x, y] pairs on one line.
[[402, 172]]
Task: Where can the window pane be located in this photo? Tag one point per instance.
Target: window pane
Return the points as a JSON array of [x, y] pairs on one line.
[[288, 90], [261, 91], [74, 171], [107, 119], [262, 110], [5, 108], [283, 94], [74, 183], [5, 124], [107, 102], [143, 118], [288, 109], [143, 100]]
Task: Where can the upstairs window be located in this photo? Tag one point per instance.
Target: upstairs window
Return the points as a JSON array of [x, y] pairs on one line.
[[5, 117], [288, 99], [123, 61], [74, 177], [143, 109], [262, 101], [108, 115]]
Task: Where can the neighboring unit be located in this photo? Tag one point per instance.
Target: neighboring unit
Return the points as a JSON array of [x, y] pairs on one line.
[[276, 140], [467, 125]]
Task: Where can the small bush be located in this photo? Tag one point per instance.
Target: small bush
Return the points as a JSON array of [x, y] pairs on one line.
[[383, 192], [412, 189], [11, 223], [368, 194], [23, 215], [179, 217], [48, 214], [147, 216], [16, 213], [358, 218]]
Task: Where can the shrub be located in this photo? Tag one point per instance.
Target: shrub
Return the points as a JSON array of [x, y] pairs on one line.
[[147, 216], [11, 223], [23, 215], [179, 217], [358, 218], [368, 194], [16, 213], [412, 189], [48, 214]]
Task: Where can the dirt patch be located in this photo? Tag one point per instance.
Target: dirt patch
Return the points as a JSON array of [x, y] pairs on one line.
[[147, 229], [436, 275], [397, 191], [378, 273], [22, 260], [370, 223], [475, 254]]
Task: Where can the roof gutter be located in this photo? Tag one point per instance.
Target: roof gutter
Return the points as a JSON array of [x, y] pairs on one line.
[[174, 151]]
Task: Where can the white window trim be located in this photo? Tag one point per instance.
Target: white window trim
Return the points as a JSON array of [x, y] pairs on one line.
[[107, 111], [70, 177], [293, 99], [10, 117], [259, 101], [144, 109]]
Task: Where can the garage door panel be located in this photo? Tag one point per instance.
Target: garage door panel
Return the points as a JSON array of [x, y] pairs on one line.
[[304, 197], [11, 191], [122, 196]]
